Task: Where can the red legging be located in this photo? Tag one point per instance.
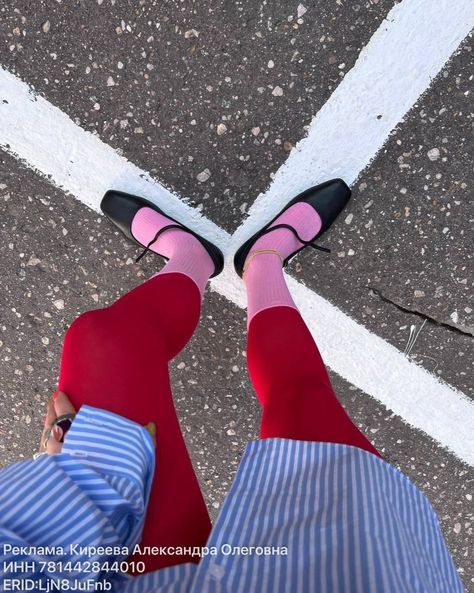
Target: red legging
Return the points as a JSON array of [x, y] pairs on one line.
[[116, 358]]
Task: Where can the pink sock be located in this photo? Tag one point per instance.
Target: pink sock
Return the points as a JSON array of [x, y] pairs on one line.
[[264, 280], [186, 254]]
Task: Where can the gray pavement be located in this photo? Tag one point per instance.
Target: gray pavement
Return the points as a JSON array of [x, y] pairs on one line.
[[402, 250], [171, 89], [59, 259], [394, 264]]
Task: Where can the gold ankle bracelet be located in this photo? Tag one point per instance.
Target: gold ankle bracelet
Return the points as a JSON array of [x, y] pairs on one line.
[[256, 252]]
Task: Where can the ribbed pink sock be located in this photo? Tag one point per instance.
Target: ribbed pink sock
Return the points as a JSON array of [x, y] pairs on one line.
[[264, 280], [186, 254]]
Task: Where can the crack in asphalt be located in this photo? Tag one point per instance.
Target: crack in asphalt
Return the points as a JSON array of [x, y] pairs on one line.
[[446, 324]]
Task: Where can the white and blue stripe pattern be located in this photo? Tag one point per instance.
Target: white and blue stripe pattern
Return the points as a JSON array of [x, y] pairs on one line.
[[350, 522], [94, 493]]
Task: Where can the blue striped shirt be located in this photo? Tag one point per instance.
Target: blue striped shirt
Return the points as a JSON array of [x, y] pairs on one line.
[[303, 517]]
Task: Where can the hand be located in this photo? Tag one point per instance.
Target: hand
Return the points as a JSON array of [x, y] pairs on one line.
[[51, 438]]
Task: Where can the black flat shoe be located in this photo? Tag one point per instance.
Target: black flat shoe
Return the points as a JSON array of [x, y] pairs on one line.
[[328, 199], [120, 208]]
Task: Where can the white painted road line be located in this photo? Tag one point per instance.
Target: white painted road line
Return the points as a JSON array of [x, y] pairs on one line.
[[397, 65], [75, 160], [378, 368], [49, 142]]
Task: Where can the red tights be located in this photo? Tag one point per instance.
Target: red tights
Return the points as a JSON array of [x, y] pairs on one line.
[[116, 358]]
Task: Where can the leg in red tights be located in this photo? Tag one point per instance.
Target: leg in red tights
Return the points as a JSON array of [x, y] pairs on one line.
[[116, 358], [292, 384]]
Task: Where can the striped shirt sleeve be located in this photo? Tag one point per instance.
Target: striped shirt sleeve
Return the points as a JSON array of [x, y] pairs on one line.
[[82, 505]]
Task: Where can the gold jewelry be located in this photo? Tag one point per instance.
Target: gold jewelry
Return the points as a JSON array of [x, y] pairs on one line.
[[256, 252], [151, 429]]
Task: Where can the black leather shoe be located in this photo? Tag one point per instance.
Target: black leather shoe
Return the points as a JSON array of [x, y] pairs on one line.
[[120, 208], [328, 199]]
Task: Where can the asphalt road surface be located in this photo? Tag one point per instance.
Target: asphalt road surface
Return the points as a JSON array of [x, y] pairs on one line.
[[211, 98]]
